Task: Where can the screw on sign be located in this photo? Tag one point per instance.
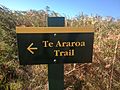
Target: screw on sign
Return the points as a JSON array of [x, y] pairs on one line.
[[55, 45], [41, 45]]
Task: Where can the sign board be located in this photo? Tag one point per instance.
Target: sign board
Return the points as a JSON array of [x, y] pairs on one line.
[[48, 45]]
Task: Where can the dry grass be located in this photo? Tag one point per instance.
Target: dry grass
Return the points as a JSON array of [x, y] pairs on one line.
[[102, 74]]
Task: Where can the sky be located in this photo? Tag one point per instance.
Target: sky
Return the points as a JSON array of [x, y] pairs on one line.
[[68, 7]]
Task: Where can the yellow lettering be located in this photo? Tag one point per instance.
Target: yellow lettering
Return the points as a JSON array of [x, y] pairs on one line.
[[83, 43], [44, 43], [47, 44], [50, 44], [73, 52], [64, 53], [73, 44], [56, 52], [58, 44], [64, 44], [77, 44]]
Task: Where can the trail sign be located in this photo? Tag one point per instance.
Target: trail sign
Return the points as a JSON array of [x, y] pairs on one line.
[[46, 45]]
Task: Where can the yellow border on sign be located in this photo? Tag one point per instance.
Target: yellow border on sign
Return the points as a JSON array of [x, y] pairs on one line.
[[54, 30]]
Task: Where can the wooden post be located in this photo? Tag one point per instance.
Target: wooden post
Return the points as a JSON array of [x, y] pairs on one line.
[[56, 71]]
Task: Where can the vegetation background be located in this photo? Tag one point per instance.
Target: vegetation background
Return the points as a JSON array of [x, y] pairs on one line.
[[102, 74]]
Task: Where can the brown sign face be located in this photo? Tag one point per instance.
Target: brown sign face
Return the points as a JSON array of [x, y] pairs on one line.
[[47, 45]]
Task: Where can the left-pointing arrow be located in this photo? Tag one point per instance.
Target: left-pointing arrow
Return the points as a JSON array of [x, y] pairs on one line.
[[30, 48]]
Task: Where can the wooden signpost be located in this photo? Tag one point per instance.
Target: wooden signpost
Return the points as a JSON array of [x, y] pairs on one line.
[[56, 71], [55, 45]]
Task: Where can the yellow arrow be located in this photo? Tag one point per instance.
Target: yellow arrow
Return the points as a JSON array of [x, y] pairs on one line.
[[30, 48]]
